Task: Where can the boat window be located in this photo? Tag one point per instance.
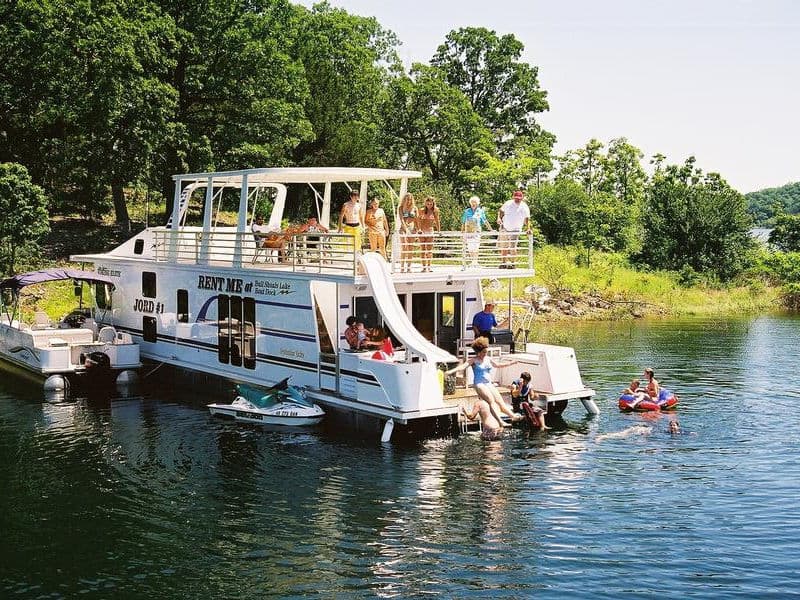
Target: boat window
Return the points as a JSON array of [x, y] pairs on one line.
[[367, 312], [102, 296], [448, 310], [249, 333], [423, 309], [183, 306], [325, 343], [138, 246], [236, 330], [149, 329], [224, 327], [148, 284]]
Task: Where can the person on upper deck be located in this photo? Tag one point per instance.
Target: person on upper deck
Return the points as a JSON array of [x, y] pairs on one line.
[[483, 322], [472, 219], [428, 221], [377, 227], [351, 218], [513, 218], [407, 214], [267, 237]]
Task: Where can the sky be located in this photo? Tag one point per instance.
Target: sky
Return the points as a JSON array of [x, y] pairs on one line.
[[714, 79]]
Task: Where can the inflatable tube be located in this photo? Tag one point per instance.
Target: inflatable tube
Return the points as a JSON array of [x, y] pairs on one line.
[[628, 403], [666, 401]]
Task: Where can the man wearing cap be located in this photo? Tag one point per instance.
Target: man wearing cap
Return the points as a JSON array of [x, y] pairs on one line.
[[483, 322], [513, 217]]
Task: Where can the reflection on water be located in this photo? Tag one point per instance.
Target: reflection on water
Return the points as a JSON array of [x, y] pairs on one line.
[[150, 496]]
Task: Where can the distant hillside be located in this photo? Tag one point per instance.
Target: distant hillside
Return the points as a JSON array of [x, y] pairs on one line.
[[763, 203]]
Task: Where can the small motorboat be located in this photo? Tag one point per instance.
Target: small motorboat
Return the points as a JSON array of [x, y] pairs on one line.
[[666, 401], [281, 404]]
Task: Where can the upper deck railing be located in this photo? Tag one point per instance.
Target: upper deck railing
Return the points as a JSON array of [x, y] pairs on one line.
[[335, 253]]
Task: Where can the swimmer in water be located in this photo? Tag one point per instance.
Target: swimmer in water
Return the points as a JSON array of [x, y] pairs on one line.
[[674, 427], [635, 430]]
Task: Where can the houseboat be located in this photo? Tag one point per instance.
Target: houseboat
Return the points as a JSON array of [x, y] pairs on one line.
[[83, 347], [208, 297]]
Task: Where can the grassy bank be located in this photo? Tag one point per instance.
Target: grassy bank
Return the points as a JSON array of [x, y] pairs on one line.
[[609, 287]]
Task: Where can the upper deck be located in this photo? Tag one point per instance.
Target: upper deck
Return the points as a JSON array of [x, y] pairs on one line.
[[193, 234], [329, 256]]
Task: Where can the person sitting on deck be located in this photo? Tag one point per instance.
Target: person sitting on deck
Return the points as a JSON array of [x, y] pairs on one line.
[[269, 238], [311, 227], [482, 383], [523, 393], [356, 335]]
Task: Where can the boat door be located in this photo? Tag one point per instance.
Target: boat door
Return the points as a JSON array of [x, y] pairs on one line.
[[448, 318]]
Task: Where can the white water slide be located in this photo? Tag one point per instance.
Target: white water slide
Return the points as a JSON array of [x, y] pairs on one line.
[[394, 315]]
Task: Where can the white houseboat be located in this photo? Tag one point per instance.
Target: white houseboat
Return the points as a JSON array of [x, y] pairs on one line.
[[205, 297]]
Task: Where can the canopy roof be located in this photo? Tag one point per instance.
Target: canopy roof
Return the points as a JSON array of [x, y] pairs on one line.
[[300, 175], [22, 280]]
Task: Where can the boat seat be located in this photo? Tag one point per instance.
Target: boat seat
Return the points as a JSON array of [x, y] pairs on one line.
[[41, 320], [107, 335], [124, 338]]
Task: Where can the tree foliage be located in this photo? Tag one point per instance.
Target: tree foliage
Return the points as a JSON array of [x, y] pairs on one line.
[[23, 206], [695, 220], [568, 215], [501, 88], [347, 60], [786, 234], [430, 124], [767, 204]]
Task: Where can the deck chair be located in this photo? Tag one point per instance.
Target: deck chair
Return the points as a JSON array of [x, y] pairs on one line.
[[41, 320]]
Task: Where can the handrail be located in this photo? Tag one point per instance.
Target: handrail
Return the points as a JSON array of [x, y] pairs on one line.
[[335, 252], [486, 249]]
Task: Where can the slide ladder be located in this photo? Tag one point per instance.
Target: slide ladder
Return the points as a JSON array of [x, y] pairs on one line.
[[394, 315]]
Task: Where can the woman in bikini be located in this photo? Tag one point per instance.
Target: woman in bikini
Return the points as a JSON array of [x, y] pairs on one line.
[[407, 215], [428, 221], [482, 382], [377, 227]]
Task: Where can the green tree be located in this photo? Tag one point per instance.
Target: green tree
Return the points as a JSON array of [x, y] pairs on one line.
[[696, 221], [430, 124], [585, 166], [501, 88], [766, 205], [786, 234], [240, 92], [568, 215], [87, 104], [496, 177], [623, 173], [23, 206], [347, 59]]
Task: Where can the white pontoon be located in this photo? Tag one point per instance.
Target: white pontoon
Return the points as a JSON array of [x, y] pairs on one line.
[[82, 346]]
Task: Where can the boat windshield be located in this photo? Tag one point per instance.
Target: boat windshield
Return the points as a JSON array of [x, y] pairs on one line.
[[266, 397]]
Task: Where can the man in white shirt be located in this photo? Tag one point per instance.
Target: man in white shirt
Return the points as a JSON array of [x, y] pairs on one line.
[[513, 217]]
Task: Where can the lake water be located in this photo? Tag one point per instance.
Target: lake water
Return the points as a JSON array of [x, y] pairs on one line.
[[150, 497]]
